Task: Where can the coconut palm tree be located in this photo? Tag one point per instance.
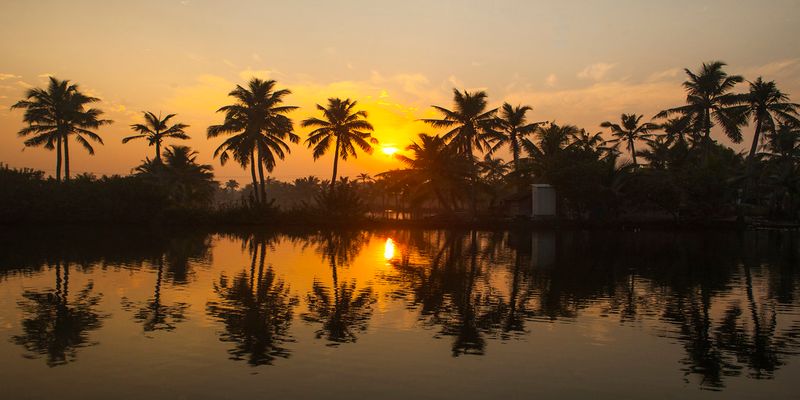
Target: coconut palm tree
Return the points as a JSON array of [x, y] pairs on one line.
[[551, 142], [471, 127], [156, 129], [259, 129], [231, 185], [765, 104], [364, 178], [709, 100], [434, 170], [55, 113], [342, 124], [515, 128], [630, 131]]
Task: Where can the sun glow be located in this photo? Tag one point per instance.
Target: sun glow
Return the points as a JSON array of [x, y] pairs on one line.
[[389, 150], [388, 249]]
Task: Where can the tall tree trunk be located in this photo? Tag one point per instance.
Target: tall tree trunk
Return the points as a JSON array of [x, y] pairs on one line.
[[158, 151], [515, 151], [756, 136], [633, 152], [58, 159], [335, 164], [261, 178], [253, 175], [66, 157], [707, 137]]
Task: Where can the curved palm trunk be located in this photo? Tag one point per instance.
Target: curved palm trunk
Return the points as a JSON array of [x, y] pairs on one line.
[[253, 175], [632, 148], [515, 151], [66, 158], [707, 136], [335, 164], [261, 178], [158, 151], [756, 137], [58, 159]]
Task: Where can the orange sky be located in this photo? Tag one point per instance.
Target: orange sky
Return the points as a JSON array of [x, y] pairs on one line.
[[573, 62]]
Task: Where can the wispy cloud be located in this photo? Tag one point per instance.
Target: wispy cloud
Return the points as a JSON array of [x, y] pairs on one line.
[[596, 71], [4, 76]]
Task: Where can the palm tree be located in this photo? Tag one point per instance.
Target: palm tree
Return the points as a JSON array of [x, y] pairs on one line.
[[55, 113], [186, 182], [156, 129], [471, 127], [231, 185], [592, 143], [259, 130], [552, 140], [709, 99], [434, 170], [630, 131], [765, 104], [342, 124], [515, 128], [364, 178]]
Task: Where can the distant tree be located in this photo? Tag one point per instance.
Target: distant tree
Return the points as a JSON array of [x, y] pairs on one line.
[[515, 128], [188, 183], [364, 178], [231, 185], [156, 129], [629, 132], [342, 124], [709, 99], [55, 113], [259, 129]]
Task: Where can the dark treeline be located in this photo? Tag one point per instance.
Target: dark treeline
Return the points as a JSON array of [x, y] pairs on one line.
[[471, 288], [669, 168]]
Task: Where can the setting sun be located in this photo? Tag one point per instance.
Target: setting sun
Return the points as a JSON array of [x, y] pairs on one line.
[[389, 150]]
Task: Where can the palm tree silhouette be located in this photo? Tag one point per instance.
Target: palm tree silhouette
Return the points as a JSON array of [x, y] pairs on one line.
[[55, 326], [551, 142], [156, 129], [259, 130], [187, 183], [630, 131], [515, 128], [55, 113], [364, 178], [434, 170], [471, 127], [765, 104], [256, 309], [231, 185], [342, 124], [709, 99]]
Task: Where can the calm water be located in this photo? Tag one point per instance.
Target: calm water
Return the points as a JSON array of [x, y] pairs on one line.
[[398, 314]]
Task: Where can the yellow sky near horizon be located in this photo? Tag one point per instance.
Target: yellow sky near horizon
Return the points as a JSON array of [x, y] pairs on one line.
[[571, 61]]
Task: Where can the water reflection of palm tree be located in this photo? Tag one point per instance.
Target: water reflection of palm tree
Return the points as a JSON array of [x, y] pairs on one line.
[[452, 293], [153, 314], [55, 326], [256, 310], [344, 311]]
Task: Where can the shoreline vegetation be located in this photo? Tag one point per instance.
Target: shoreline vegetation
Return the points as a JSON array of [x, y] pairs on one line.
[[665, 172]]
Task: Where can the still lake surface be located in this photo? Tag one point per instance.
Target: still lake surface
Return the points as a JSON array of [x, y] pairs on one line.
[[129, 314]]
